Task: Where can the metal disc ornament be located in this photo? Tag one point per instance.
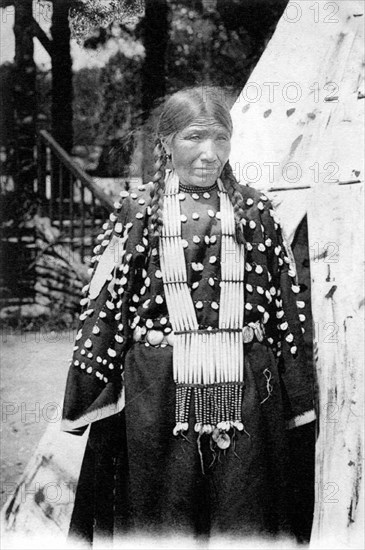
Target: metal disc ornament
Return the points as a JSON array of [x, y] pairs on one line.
[[259, 332], [223, 441], [215, 435], [154, 337], [247, 333], [170, 338]]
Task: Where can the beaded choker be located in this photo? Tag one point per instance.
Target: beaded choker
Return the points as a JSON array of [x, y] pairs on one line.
[[197, 189], [208, 365]]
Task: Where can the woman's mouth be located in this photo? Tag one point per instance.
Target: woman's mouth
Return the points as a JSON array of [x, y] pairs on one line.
[[207, 170]]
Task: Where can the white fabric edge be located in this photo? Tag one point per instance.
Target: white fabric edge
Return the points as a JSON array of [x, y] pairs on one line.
[[94, 416], [301, 419]]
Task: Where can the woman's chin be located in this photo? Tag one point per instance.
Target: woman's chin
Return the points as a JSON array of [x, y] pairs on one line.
[[204, 180]]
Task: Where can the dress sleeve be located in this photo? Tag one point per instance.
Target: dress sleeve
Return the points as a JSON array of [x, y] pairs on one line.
[[285, 328], [94, 387]]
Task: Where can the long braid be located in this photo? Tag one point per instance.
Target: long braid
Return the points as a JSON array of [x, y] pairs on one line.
[[232, 187], [157, 192]]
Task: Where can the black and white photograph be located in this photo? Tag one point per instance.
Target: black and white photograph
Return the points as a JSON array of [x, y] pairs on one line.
[[182, 274]]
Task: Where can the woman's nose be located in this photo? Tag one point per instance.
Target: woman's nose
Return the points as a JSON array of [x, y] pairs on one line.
[[208, 151]]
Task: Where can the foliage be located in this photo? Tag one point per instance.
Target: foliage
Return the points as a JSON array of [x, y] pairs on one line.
[[87, 106], [212, 42], [121, 112], [202, 50], [44, 98], [89, 15]]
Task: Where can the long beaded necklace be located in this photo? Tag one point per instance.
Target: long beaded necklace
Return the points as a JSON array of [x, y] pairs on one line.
[[208, 365]]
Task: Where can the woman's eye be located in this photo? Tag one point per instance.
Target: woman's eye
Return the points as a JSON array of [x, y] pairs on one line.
[[194, 137], [223, 138]]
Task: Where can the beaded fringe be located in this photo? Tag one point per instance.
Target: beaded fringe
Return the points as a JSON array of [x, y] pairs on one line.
[[207, 364], [208, 369], [216, 406]]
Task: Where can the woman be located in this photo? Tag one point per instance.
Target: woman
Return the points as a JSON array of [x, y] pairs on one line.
[[189, 361]]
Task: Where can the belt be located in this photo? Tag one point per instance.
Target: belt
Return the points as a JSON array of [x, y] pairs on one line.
[[155, 337]]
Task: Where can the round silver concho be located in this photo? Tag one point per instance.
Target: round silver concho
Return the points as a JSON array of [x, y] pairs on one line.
[[248, 334], [222, 439], [170, 338], [154, 337]]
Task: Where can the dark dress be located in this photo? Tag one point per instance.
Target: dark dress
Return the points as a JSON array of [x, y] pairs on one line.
[[137, 477]]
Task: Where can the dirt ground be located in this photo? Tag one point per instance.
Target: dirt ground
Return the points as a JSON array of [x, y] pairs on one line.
[[33, 371]]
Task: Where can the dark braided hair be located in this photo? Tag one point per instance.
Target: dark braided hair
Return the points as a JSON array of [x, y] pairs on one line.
[[181, 110], [233, 189], [157, 191]]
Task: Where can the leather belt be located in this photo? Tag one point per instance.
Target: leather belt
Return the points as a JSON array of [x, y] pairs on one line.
[[155, 337]]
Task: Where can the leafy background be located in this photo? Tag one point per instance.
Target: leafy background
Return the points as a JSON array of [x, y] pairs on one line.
[[215, 42]]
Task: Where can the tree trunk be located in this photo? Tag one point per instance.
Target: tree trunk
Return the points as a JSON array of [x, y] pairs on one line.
[[155, 28], [24, 99], [61, 76], [61, 87], [155, 32]]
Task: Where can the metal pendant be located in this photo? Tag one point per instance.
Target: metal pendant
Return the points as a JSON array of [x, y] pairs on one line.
[[223, 441], [247, 334], [215, 434], [170, 338], [259, 333], [154, 337]]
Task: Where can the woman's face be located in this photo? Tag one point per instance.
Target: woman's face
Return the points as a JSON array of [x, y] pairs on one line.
[[199, 152]]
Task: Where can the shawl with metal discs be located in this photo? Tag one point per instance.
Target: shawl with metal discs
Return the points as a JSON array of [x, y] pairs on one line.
[[126, 298]]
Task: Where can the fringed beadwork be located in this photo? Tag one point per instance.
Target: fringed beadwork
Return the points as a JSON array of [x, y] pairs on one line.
[[208, 365]]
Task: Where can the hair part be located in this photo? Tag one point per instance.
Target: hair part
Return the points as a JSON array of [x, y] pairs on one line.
[[188, 105]]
